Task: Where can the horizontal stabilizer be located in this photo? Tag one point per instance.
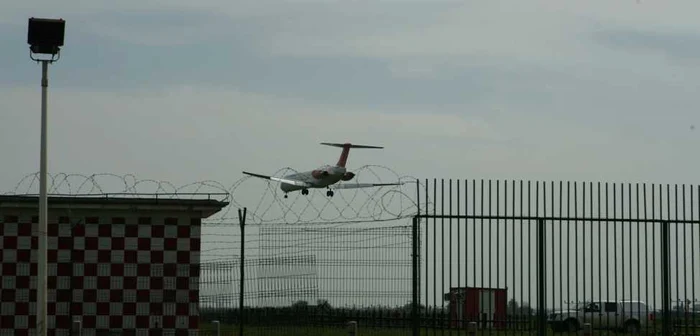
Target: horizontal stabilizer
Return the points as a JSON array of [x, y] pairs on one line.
[[349, 145]]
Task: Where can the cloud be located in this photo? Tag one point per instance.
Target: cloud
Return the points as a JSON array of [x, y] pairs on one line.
[[160, 27], [184, 134], [429, 35], [675, 47], [422, 39], [449, 32], [171, 130], [151, 23]]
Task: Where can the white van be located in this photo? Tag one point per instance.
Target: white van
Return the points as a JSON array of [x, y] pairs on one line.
[[629, 316]]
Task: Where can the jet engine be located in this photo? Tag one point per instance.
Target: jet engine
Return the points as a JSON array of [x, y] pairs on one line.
[[319, 173], [347, 176]]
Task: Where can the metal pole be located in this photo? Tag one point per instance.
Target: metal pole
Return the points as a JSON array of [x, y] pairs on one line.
[[415, 304], [42, 231], [665, 280], [218, 328], [352, 328], [471, 330], [541, 297], [587, 329], [241, 218], [77, 328]]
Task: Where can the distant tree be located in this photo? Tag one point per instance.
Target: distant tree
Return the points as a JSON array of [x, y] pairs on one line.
[[678, 308], [323, 305], [525, 309], [513, 307], [409, 306], [301, 304]]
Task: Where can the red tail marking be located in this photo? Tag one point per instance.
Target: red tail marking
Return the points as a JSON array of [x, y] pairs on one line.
[[344, 155]]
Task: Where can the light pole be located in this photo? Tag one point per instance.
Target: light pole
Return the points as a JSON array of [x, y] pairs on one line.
[[44, 36]]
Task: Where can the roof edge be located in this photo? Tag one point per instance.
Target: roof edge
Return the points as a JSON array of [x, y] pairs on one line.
[[208, 207]]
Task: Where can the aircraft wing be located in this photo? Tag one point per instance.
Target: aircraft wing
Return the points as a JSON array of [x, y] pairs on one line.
[[283, 180], [362, 185]]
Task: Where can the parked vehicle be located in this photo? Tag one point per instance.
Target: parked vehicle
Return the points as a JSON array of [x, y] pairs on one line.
[[628, 316]]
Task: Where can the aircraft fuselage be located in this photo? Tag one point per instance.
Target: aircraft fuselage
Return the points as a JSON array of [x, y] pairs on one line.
[[330, 175]]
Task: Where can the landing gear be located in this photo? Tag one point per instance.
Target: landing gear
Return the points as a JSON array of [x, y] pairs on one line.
[[305, 191]]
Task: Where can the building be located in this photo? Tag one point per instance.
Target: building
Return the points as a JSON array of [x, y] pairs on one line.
[[486, 306], [121, 266]]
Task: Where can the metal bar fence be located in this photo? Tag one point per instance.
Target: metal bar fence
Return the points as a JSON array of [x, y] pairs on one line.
[[626, 248]]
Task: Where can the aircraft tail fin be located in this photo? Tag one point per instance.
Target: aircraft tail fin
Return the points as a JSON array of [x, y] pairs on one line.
[[346, 150]]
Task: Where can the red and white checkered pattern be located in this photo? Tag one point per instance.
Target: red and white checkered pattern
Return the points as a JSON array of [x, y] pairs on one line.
[[124, 274]]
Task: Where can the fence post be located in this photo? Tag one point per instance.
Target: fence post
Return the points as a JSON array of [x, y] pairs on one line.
[[241, 313], [415, 313], [352, 328], [217, 326], [541, 277], [471, 331], [77, 328], [587, 329], [665, 281]]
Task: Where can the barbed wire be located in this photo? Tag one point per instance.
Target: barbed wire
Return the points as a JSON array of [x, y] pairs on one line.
[[351, 231], [263, 199], [103, 184], [347, 205]]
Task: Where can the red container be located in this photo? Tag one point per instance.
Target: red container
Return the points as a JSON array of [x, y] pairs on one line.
[[485, 306]]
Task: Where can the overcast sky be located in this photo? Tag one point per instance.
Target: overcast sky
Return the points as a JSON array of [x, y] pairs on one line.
[[183, 92]]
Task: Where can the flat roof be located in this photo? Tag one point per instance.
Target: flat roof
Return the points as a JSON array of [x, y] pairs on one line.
[[137, 202]]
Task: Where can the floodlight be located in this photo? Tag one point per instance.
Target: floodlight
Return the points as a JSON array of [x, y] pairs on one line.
[[45, 36]]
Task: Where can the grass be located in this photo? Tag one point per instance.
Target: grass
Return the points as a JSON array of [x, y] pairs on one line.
[[232, 330]]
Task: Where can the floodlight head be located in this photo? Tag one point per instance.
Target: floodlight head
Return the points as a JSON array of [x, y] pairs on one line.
[[45, 36]]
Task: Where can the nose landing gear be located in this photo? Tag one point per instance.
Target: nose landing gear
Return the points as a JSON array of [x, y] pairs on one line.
[[329, 193]]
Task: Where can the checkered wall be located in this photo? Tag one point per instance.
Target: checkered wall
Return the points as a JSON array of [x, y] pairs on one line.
[[128, 275]]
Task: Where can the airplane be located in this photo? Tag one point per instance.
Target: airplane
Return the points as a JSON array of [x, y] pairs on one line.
[[325, 176]]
